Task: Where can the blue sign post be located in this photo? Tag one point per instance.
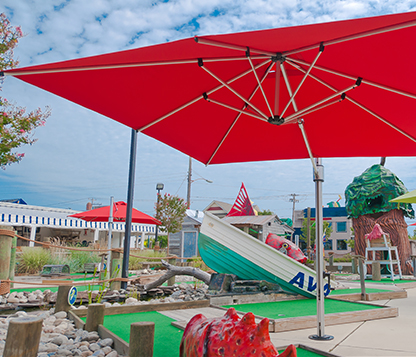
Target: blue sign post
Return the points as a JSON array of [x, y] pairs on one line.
[[72, 295]]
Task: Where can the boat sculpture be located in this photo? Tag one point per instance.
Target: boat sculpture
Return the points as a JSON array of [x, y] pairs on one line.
[[228, 250]]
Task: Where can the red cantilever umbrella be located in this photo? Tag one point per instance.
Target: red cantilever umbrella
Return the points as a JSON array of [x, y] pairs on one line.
[[286, 91], [102, 214]]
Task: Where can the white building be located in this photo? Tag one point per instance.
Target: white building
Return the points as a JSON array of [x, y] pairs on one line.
[[44, 223]]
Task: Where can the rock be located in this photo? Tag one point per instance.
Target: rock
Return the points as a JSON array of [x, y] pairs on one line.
[[98, 353], [107, 349], [112, 354], [130, 301], [94, 347], [64, 352], [59, 340], [86, 353], [13, 300], [106, 342], [61, 315]]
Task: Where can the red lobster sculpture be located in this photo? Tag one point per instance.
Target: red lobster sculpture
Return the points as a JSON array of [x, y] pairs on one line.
[[229, 336]]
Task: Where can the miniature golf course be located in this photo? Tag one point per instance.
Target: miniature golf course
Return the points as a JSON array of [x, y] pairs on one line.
[[168, 337]]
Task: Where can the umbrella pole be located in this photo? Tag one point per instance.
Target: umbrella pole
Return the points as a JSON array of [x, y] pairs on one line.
[[320, 297], [110, 236], [130, 194]]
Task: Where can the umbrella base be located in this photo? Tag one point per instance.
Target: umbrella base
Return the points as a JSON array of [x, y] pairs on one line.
[[321, 338]]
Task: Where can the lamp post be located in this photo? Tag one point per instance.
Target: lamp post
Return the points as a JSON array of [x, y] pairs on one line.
[[188, 194], [159, 187]]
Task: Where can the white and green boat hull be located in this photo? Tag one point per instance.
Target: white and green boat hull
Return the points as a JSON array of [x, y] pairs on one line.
[[226, 249]]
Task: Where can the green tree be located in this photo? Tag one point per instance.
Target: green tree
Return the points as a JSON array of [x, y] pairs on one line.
[[265, 212], [304, 236], [16, 125], [170, 210]]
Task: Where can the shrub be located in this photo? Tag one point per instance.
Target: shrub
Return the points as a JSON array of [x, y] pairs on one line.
[[136, 263], [78, 258], [32, 260]]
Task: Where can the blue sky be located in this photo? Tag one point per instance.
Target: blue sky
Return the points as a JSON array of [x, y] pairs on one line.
[[81, 155]]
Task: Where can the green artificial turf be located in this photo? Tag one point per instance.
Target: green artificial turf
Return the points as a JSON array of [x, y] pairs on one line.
[[300, 352], [297, 308], [167, 337], [355, 291], [387, 281]]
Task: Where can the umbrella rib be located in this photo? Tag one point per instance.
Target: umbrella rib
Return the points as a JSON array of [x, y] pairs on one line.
[[300, 112], [317, 108], [230, 46], [235, 109], [238, 116], [234, 91], [389, 89], [358, 104], [16, 72], [321, 49], [200, 97], [355, 36], [260, 86], [300, 122]]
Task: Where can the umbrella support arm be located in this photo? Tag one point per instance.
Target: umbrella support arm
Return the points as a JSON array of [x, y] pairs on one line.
[[130, 195]]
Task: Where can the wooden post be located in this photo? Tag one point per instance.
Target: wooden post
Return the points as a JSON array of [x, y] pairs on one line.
[[13, 259], [5, 250], [62, 303], [115, 273], [354, 265], [172, 280], [23, 336], [362, 277], [376, 271], [142, 336], [95, 317], [331, 259]]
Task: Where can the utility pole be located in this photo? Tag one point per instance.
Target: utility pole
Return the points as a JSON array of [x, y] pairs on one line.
[[188, 195], [294, 200]]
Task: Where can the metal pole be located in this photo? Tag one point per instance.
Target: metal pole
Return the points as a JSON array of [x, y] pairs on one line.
[[130, 194], [110, 236], [320, 297], [188, 194], [308, 233]]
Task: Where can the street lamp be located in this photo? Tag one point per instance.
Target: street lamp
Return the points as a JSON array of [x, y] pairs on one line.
[[159, 187], [188, 195]]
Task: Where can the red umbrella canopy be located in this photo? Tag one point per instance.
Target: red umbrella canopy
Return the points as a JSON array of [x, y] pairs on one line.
[[102, 214], [259, 95]]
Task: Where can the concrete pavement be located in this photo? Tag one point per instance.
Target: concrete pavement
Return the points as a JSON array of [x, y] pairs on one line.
[[384, 337]]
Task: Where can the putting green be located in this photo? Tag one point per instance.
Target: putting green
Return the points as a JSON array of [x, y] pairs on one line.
[[355, 291], [387, 281], [300, 352], [167, 337], [297, 308]]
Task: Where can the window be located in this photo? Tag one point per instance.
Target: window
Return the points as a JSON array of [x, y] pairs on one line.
[[342, 244], [341, 226], [328, 244]]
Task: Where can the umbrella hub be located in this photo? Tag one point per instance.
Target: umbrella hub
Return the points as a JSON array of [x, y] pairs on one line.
[[276, 120]]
